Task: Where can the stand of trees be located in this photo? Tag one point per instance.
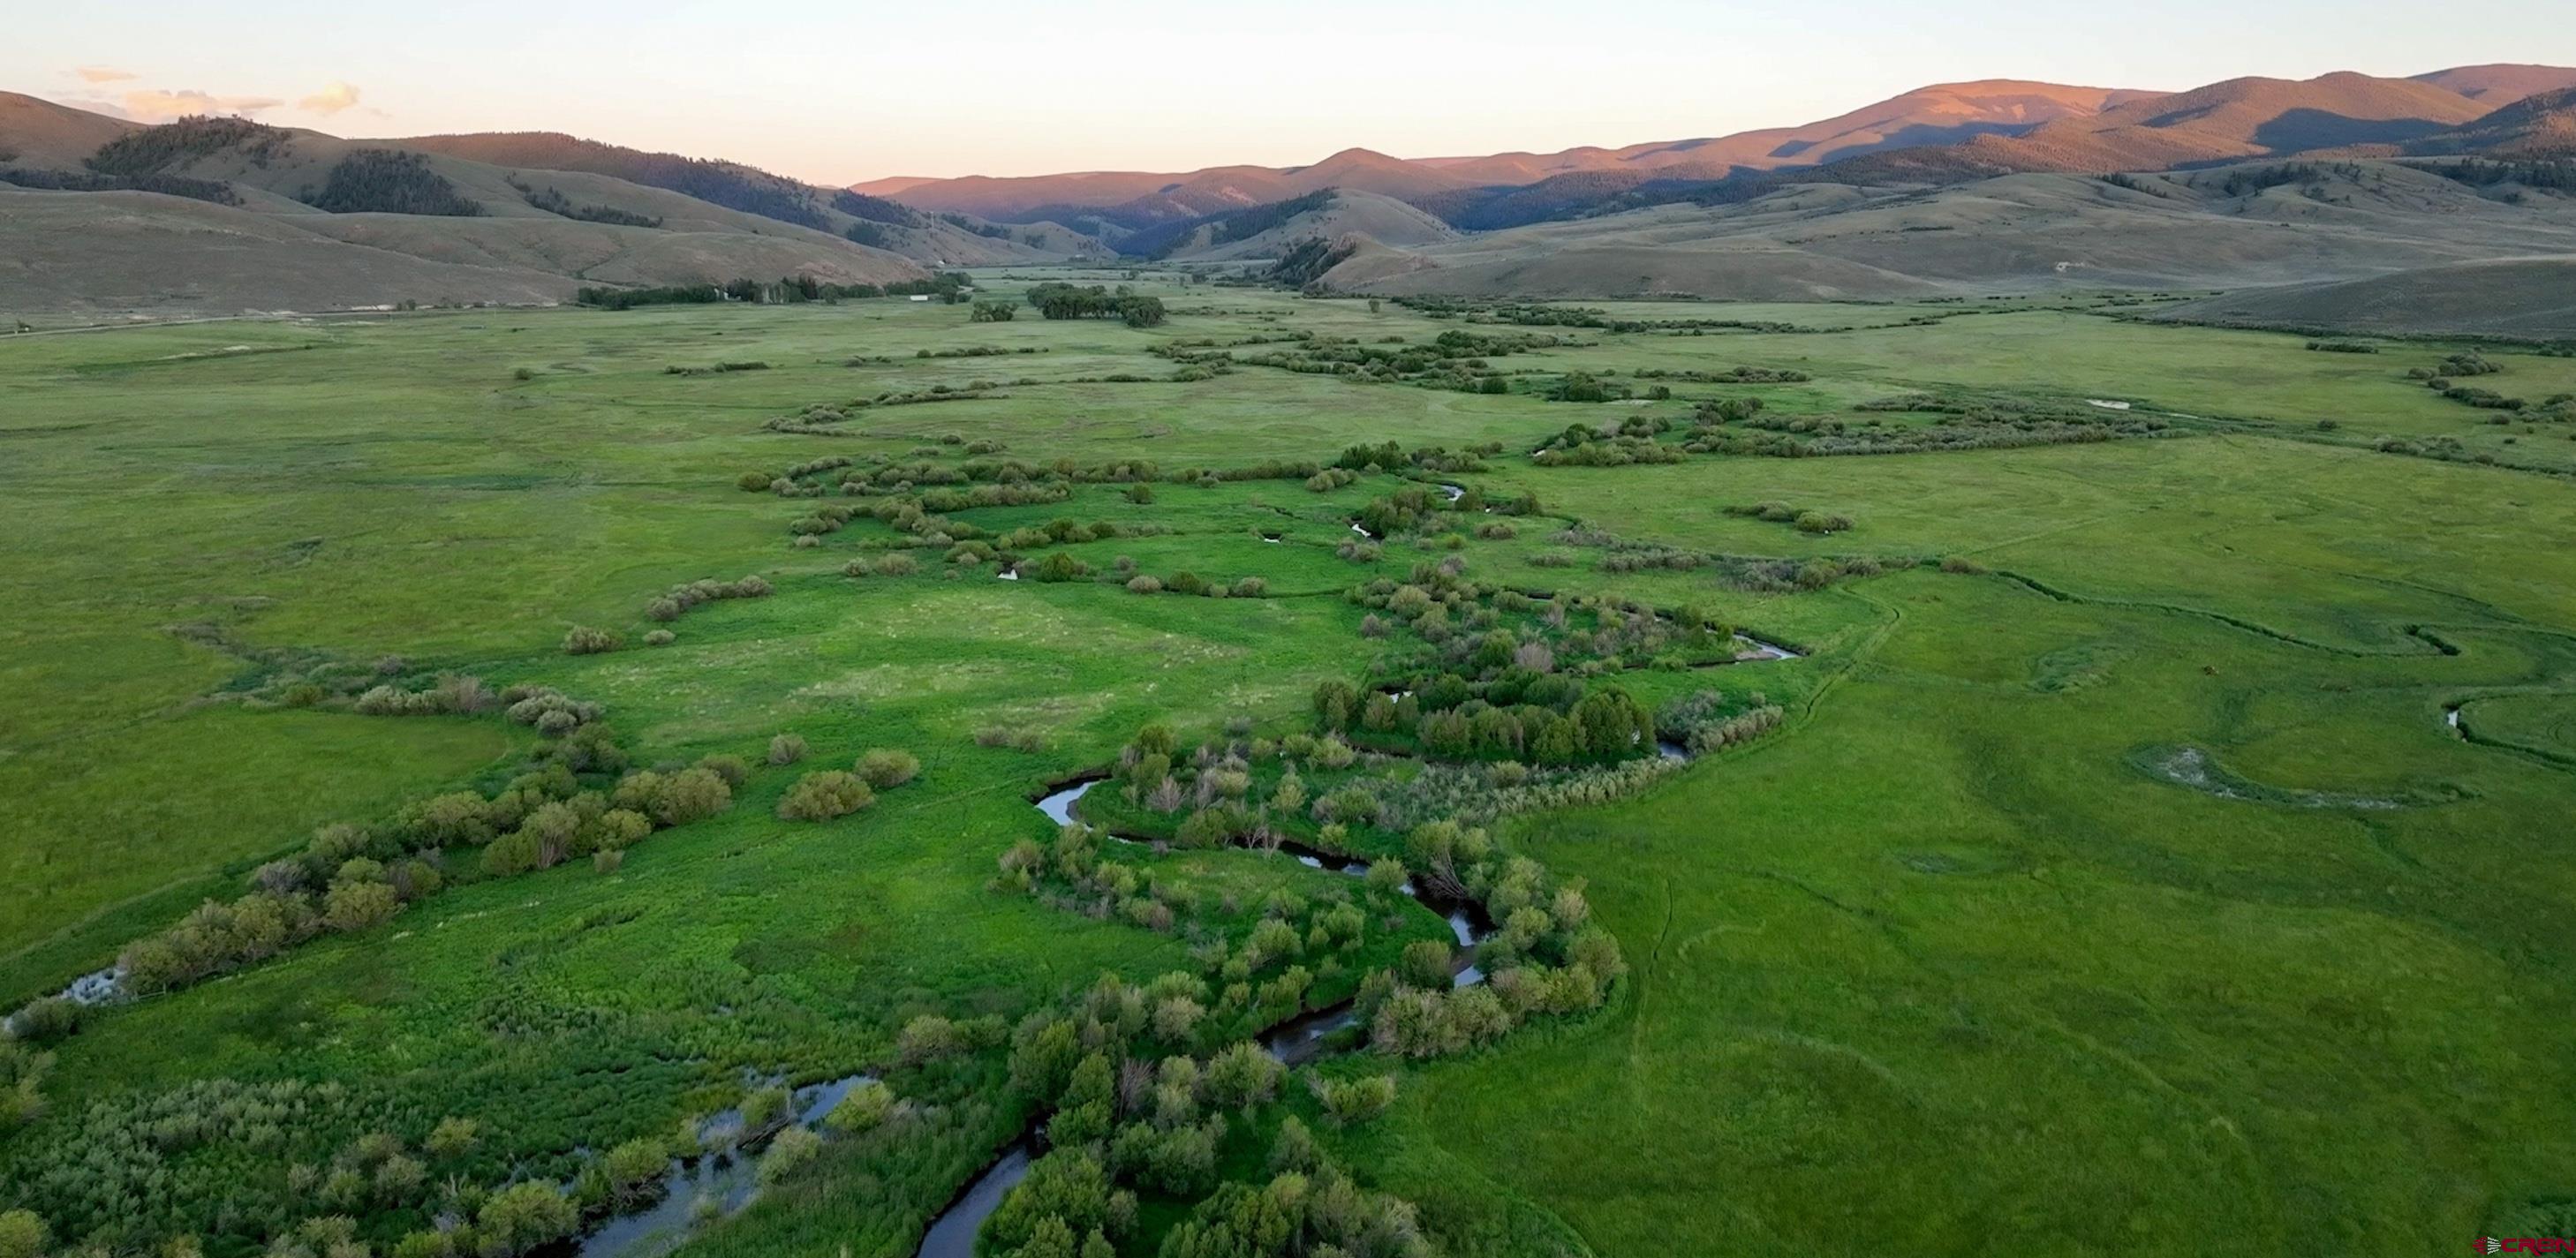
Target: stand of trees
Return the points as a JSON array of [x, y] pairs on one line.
[[737, 188], [790, 290], [2558, 175], [553, 202], [155, 149], [860, 205], [1304, 263], [1071, 301], [91, 181], [389, 181], [989, 231]]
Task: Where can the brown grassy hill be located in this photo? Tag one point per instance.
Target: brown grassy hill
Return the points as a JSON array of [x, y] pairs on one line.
[[2240, 118], [2274, 223], [2524, 297], [45, 135], [930, 240], [523, 235], [1210, 192], [1940, 114], [2539, 126], [2498, 85], [97, 252], [608, 254], [1944, 113], [1380, 219], [1003, 197], [1938, 134]]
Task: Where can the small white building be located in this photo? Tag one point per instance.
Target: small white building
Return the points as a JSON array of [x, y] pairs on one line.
[[921, 296]]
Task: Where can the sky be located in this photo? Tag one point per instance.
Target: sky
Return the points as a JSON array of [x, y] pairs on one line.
[[852, 90]]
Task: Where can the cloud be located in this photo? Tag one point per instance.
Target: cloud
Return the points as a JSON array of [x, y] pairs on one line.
[[330, 100], [161, 106], [102, 74]]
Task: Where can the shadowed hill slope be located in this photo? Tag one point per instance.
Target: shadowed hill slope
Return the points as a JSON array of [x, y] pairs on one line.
[[2498, 85], [290, 219], [1939, 114], [2537, 127], [101, 252], [2259, 224], [2520, 297], [2222, 122], [1268, 231], [929, 239]]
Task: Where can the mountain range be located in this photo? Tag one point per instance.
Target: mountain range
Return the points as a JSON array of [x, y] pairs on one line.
[[1993, 185], [1953, 129]]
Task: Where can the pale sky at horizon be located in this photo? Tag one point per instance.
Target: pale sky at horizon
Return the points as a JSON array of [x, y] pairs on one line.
[[840, 93]]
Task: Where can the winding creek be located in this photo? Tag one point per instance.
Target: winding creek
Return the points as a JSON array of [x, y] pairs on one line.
[[712, 1185], [1293, 1042], [952, 1233], [721, 1183]]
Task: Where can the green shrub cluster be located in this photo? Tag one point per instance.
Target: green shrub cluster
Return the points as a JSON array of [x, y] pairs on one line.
[[698, 593], [825, 795], [454, 694], [1707, 721], [353, 877]]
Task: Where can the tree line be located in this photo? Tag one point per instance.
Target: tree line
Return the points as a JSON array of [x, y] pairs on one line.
[[556, 203], [790, 290], [1073, 301]]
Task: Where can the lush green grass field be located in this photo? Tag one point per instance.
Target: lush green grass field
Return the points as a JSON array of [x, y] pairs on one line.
[[1942, 965]]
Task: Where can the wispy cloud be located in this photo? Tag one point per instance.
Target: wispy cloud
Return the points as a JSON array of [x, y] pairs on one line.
[[331, 99], [102, 74], [162, 106]]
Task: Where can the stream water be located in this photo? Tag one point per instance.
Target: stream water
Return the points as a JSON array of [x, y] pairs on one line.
[[1750, 649], [1302, 1037], [709, 1186], [95, 988], [952, 1233], [723, 1182]]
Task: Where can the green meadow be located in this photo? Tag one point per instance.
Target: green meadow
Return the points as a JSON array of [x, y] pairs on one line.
[[2106, 876]]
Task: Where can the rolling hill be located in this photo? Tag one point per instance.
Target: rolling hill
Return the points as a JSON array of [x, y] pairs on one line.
[[2539, 127], [1939, 114], [2249, 225], [2498, 85], [113, 252], [1944, 133], [1944, 113], [2339, 115], [1991, 185], [41, 134], [2521, 297], [956, 240], [2239, 118], [219, 215], [1270, 230]]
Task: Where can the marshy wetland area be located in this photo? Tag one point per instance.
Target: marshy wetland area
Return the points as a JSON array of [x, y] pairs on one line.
[[1283, 775]]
